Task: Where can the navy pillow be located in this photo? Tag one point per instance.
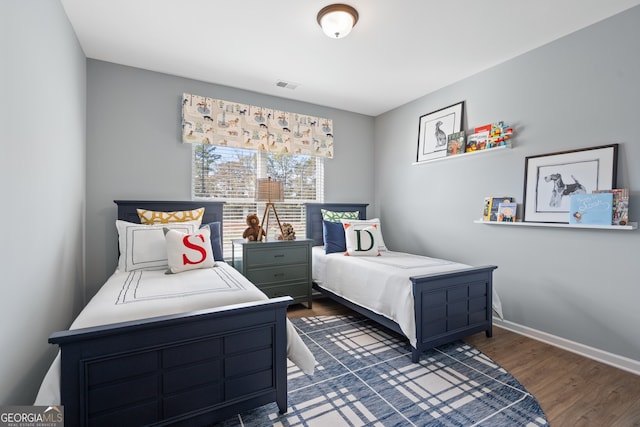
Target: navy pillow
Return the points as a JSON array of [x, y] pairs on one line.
[[216, 241], [333, 235]]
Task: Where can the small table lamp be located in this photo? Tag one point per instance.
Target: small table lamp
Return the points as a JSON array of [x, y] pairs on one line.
[[269, 191]]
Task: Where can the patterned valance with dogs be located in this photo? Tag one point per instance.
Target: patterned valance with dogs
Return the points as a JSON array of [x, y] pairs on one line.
[[224, 123]]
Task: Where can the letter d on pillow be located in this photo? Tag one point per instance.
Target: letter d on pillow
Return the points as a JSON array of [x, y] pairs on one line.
[[360, 241]]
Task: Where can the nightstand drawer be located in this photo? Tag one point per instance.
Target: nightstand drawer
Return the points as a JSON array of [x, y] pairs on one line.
[[262, 277], [269, 256]]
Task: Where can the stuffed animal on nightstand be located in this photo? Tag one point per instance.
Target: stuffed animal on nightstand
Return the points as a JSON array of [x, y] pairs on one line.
[[287, 232], [253, 231]]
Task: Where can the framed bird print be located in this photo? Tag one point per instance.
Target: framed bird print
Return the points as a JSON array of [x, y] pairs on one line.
[[434, 128]]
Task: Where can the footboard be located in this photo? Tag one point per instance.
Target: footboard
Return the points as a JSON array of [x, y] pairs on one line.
[[194, 368], [451, 306]]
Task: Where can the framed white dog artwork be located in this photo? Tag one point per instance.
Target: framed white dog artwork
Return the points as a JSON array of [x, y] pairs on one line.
[[549, 180]]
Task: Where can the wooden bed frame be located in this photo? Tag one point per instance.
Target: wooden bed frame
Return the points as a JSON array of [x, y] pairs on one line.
[[448, 306], [191, 369]]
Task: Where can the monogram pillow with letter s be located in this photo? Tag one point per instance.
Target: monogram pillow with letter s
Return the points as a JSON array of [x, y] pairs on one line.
[[361, 241], [189, 251]]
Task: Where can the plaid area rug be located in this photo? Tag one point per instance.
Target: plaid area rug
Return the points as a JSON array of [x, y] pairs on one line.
[[365, 377]]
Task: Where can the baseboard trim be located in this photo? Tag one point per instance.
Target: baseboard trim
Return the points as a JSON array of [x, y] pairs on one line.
[[617, 361]]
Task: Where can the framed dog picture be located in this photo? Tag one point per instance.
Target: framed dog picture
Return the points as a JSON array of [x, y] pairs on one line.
[[549, 180], [434, 128]]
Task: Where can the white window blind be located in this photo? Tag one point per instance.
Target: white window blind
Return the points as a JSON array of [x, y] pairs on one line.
[[229, 174]]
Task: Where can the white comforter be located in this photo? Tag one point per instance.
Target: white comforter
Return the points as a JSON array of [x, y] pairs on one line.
[[142, 294], [381, 283]]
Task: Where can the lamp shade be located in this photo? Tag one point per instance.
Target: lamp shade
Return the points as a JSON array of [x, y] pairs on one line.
[[337, 20], [268, 190]]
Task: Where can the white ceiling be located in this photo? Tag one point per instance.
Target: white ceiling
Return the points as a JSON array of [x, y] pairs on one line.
[[400, 50]]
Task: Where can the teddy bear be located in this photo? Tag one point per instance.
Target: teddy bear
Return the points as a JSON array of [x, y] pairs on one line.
[[287, 232], [253, 231]]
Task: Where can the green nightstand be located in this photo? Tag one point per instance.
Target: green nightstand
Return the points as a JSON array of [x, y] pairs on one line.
[[278, 267]]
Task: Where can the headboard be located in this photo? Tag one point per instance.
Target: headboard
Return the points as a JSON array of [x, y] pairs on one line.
[[314, 217], [212, 213]]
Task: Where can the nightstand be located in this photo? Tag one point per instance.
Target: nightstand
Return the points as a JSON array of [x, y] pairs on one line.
[[277, 268]]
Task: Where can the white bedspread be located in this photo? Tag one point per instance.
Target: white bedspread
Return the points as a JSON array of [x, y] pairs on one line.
[[381, 284], [142, 294]]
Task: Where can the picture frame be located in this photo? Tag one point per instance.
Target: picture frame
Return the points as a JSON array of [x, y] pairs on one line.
[[434, 128], [549, 180]]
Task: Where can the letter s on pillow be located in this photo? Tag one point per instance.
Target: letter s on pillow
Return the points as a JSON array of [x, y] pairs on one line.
[[189, 251]]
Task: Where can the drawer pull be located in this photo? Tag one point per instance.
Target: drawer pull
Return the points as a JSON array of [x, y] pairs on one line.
[[278, 275], [278, 256]]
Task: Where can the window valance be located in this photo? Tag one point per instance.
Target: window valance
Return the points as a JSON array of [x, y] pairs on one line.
[[217, 122]]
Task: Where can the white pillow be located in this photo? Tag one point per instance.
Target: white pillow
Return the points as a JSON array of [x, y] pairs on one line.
[[143, 247], [362, 223], [361, 241], [186, 251]]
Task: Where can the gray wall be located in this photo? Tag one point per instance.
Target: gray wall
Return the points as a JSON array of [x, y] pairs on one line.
[[134, 149], [42, 181], [580, 91]]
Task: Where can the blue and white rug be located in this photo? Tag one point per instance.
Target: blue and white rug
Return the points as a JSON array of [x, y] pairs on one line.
[[365, 377]]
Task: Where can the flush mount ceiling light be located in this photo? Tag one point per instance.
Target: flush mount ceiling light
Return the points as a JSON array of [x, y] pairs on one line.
[[337, 20]]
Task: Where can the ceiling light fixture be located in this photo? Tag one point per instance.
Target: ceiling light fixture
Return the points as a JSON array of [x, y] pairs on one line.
[[337, 20]]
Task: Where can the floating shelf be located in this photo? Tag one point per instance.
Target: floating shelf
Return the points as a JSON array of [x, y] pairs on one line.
[[631, 226], [470, 153]]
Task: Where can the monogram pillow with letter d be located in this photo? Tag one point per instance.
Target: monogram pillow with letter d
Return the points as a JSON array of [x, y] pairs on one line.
[[361, 241], [189, 251]]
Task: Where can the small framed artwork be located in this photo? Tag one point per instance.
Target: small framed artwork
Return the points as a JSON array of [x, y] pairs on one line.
[[434, 128], [550, 180]]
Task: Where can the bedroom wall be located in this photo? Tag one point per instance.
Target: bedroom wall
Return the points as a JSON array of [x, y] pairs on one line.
[[42, 181], [577, 92], [134, 149]]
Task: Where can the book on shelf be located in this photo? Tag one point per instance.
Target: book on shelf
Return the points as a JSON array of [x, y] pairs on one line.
[[456, 143], [507, 212], [491, 205], [477, 141], [594, 209], [620, 205], [483, 128]]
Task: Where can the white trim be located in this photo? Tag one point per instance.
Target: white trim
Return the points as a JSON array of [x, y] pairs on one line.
[[465, 154], [630, 226], [617, 361]]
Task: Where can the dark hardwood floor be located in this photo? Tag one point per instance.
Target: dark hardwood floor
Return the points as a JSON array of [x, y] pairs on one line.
[[571, 389]]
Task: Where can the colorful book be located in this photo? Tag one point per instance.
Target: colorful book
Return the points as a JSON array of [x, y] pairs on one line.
[[507, 212], [483, 128], [456, 143], [620, 205], [596, 209], [491, 205], [477, 141]]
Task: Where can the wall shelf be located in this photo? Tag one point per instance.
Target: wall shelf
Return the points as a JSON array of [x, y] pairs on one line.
[[631, 226], [470, 153]]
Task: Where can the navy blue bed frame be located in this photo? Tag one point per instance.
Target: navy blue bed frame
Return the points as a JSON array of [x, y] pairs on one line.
[[448, 306], [190, 369]]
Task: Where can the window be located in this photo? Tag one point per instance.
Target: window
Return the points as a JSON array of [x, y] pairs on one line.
[[229, 174]]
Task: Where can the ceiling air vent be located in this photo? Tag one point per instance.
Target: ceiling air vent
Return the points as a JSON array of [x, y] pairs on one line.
[[288, 85]]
